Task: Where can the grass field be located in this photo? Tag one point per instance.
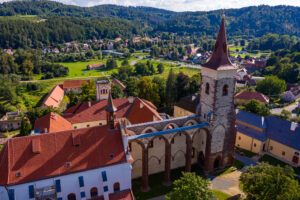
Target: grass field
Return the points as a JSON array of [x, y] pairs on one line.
[[239, 48], [220, 195], [22, 17]]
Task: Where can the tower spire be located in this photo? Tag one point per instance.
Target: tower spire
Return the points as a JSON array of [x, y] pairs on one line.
[[110, 112], [220, 56]]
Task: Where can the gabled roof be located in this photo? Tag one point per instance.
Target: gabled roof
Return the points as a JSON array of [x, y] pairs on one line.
[[142, 112], [46, 155], [189, 103], [249, 95], [83, 113], [74, 83], [96, 65], [54, 97], [280, 130], [220, 59], [117, 82], [52, 122]]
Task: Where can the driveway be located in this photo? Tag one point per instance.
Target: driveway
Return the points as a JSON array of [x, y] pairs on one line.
[[290, 108], [247, 161]]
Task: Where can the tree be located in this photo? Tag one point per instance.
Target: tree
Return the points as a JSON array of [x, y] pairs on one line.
[[195, 83], [27, 67], [148, 90], [269, 182], [190, 187], [171, 93], [88, 92], [25, 127], [131, 88], [271, 85], [111, 64], [285, 114], [257, 107], [161, 82], [35, 113], [141, 69], [182, 85], [242, 42], [290, 72], [116, 91], [160, 68]]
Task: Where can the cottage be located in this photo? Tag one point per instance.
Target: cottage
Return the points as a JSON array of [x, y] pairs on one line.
[[244, 97], [74, 85], [54, 98], [292, 95]]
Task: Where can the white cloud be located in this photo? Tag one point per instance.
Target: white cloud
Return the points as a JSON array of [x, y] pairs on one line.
[[183, 5]]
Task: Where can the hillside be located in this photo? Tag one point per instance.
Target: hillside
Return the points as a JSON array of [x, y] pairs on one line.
[[110, 21]]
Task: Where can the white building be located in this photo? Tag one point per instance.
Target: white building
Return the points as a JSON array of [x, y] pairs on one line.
[[89, 163]]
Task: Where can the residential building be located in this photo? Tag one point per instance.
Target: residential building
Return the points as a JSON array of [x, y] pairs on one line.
[[74, 85], [291, 95], [186, 106], [244, 97], [54, 98], [95, 66], [89, 163], [270, 135]]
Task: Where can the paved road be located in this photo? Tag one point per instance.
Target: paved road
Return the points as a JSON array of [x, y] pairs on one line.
[[288, 108], [247, 161]]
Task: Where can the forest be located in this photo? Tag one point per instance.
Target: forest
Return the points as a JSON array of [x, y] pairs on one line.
[[63, 23]]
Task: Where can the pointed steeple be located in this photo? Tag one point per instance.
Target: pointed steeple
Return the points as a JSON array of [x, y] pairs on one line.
[[110, 112], [110, 104], [220, 56]]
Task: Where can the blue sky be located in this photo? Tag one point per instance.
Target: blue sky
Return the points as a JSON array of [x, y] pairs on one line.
[[183, 5]]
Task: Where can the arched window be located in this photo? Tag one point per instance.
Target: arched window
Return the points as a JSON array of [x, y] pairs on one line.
[[72, 196], [117, 187], [225, 90], [94, 192], [207, 88]]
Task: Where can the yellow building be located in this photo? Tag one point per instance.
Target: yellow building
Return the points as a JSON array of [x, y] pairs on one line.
[[271, 135], [243, 97]]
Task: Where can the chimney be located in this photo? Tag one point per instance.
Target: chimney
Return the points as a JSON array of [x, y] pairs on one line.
[[90, 104], [130, 99], [45, 130], [294, 125], [55, 117]]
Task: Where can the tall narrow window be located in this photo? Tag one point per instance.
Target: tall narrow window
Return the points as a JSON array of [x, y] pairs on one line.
[[94, 192], [116, 187], [225, 90], [207, 88]]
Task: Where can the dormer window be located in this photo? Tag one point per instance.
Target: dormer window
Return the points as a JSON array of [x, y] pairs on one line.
[[207, 88], [225, 90]]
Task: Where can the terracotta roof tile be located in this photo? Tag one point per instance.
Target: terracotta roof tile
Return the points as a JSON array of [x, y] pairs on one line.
[[53, 122], [56, 149], [54, 97], [74, 83], [248, 95], [123, 195]]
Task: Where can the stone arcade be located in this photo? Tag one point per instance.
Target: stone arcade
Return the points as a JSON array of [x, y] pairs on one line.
[[206, 138]]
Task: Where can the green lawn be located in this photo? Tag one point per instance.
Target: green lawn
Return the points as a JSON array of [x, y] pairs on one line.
[[238, 164], [239, 48], [220, 195], [22, 17]]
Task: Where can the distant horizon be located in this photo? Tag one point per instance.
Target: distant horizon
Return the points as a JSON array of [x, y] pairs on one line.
[[180, 5]]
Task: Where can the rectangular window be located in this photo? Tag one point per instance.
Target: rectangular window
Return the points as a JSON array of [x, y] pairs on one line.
[[271, 148], [283, 153], [105, 188], [254, 145], [11, 194], [81, 182], [239, 137], [104, 177], [82, 194], [57, 185], [31, 191]]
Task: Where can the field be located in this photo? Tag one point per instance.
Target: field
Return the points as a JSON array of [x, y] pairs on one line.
[[233, 49], [33, 18]]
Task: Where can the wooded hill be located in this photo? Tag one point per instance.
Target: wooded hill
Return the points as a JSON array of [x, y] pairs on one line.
[[65, 22]]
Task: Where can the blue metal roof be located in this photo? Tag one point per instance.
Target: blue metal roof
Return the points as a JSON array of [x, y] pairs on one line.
[[251, 119], [279, 130], [259, 135]]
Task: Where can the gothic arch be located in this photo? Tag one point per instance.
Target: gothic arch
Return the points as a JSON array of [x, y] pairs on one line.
[[225, 90], [155, 158], [149, 130], [159, 137], [157, 151], [170, 126], [179, 133], [190, 122], [178, 152], [217, 162]]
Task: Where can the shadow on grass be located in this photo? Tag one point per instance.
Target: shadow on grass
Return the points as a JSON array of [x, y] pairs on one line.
[[155, 183]]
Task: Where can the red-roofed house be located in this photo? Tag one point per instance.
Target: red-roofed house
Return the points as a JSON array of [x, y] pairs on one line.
[[133, 110], [50, 123], [119, 83], [89, 163], [54, 98], [243, 97], [95, 66], [74, 85]]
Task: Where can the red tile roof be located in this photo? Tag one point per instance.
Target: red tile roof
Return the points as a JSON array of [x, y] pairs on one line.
[[117, 82], [57, 149], [83, 113], [96, 65], [74, 83], [53, 122], [248, 95], [123, 195], [54, 97], [141, 112]]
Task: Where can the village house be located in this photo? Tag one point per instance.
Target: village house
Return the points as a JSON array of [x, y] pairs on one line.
[[95, 66], [74, 85], [7, 124], [54, 98], [268, 135], [291, 95], [186, 105], [243, 97]]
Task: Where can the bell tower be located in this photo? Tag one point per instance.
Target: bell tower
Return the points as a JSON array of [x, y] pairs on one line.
[[110, 113], [217, 104]]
